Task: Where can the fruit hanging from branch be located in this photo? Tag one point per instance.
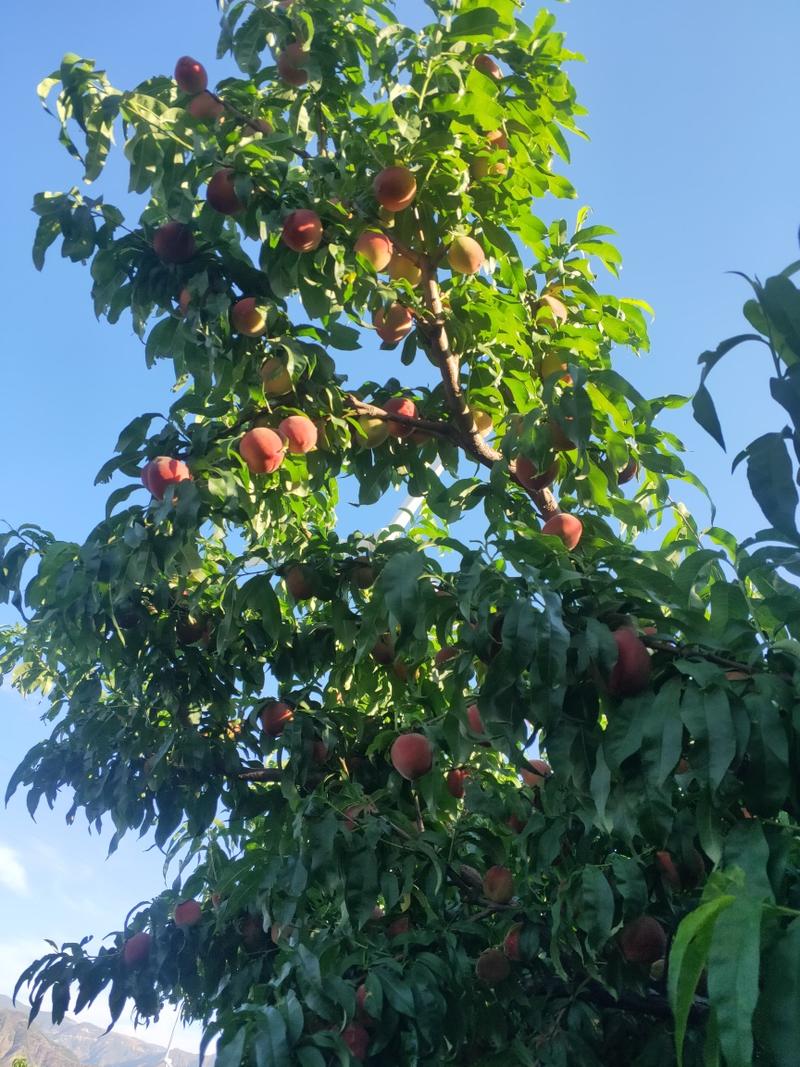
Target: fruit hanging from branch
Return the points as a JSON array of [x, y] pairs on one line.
[[174, 243], [302, 230], [631, 673], [376, 248], [328, 900], [568, 527], [465, 255], [221, 192], [392, 324], [275, 716], [262, 449], [300, 433], [395, 188], [162, 472], [191, 75], [412, 756], [248, 317]]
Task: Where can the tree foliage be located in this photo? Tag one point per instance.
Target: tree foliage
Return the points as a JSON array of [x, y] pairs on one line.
[[228, 665]]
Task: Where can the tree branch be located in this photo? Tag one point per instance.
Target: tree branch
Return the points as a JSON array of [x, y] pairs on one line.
[[252, 123], [649, 1004], [253, 774], [687, 651], [443, 429], [450, 370]]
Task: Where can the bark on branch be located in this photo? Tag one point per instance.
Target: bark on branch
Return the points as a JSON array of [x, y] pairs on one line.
[[450, 369], [443, 429], [658, 644]]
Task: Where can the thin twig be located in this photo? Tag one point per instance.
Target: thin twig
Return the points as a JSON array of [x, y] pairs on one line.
[[443, 429], [688, 651]]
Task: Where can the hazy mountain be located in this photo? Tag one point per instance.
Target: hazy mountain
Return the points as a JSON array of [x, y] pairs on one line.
[[75, 1044]]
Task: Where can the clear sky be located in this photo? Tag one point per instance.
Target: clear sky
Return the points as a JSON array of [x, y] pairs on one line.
[[693, 158]]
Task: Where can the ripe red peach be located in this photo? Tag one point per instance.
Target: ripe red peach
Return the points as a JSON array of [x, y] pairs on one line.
[[300, 433], [528, 474], [498, 885], [400, 405], [136, 951], [628, 472], [474, 720], [392, 324], [412, 756], [511, 942], [631, 673], [643, 940], [187, 913], [486, 65], [538, 774], [302, 230], [455, 781], [299, 580], [395, 188], [221, 192], [163, 471], [465, 256], [290, 64], [206, 107], [376, 248], [191, 75], [567, 527], [357, 1040], [262, 450], [275, 716], [248, 317], [174, 243]]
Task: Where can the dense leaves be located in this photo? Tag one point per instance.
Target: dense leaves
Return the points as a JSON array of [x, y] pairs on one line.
[[227, 663]]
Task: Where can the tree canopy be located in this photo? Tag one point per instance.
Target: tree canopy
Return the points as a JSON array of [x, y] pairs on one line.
[[513, 782]]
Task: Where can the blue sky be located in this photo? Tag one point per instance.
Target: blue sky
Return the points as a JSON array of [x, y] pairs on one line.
[[693, 158]]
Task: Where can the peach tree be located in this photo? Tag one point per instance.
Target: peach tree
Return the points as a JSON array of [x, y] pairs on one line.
[[492, 784]]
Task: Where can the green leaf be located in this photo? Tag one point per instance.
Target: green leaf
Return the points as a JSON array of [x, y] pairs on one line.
[[230, 1054], [399, 585], [47, 230], [733, 970], [271, 1047], [706, 414], [397, 992], [771, 478], [600, 784], [779, 1008], [746, 848], [479, 22], [594, 912], [662, 735], [687, 959], [721, 734], [711, 1048]]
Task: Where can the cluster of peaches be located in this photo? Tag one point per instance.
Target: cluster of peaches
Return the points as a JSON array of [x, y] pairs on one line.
[[642, 941]]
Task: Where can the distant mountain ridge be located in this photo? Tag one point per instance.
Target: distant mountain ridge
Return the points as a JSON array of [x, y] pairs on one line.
[[76, 1044]]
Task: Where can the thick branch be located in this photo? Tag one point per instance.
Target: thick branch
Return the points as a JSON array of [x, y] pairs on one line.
[[450, 369]]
